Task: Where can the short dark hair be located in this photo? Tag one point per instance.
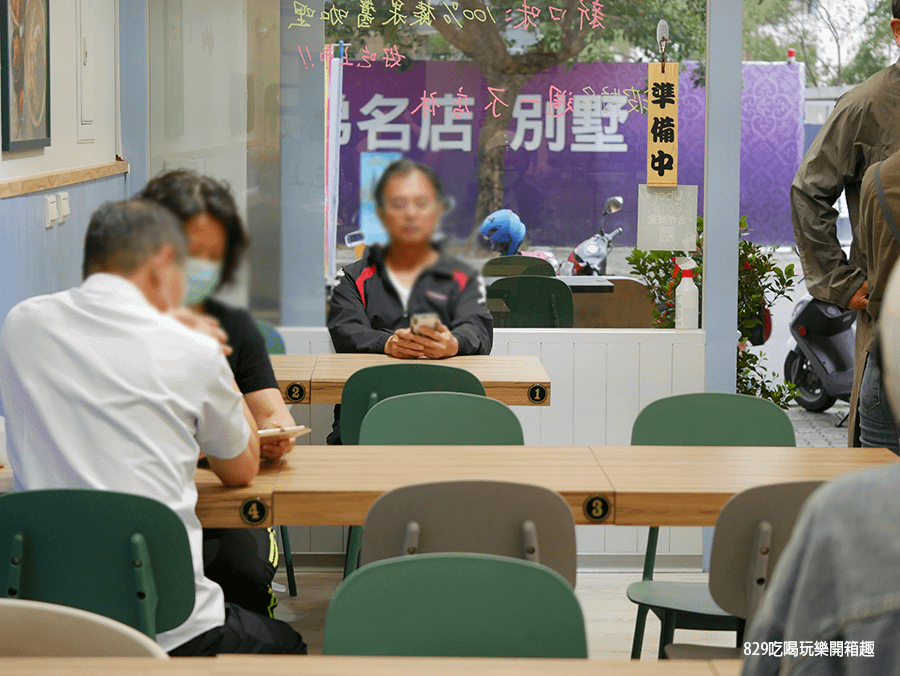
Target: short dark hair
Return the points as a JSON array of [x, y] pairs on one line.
[[895, 9], [405, 167], [188, 194], [122, 235]]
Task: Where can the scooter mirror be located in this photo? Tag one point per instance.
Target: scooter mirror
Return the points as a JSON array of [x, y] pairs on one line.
[[613, 204]]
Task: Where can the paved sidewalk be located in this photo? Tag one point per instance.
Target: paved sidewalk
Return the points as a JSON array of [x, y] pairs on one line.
[[818, 429]]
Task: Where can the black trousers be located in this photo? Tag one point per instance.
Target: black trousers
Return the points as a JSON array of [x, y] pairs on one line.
[[245, 633], [242, 561]]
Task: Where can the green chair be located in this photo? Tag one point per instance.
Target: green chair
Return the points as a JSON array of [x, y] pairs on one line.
[[702, 419], [441, 418], [506, 266], [369, 385], [459, 604], [533, 302], [275, 345], [123, 556]]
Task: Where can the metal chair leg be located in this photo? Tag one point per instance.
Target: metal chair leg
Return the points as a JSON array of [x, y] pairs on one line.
[[667, 634], [638, 643]]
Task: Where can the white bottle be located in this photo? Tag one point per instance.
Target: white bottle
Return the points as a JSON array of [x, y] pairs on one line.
[[687, 300]]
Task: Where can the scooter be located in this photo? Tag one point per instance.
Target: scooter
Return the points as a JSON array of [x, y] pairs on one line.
[[820, 363], [589, 257]]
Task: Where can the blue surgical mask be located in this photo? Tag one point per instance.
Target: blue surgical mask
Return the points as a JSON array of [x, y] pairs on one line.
[[201, 279]]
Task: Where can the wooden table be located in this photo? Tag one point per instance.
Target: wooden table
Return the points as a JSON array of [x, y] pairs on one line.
[[293, 373], [320, 665], [335, 485], [687, 486], [516, 381], [219, 506]]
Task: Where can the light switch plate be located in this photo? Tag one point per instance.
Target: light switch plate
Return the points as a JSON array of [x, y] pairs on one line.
[[62, 201], [51, 215]]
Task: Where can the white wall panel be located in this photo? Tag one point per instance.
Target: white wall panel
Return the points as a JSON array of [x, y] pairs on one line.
[[557, 419], [622, 391], [589, 394], [688, 367], [655, 376]]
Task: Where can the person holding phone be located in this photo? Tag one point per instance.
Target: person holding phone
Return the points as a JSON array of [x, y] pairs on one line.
[[376, 297]]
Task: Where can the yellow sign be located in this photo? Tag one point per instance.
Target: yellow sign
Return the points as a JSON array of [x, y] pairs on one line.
[[662, 125]]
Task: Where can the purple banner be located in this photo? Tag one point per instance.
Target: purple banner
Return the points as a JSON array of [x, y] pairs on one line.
[[578, 136]]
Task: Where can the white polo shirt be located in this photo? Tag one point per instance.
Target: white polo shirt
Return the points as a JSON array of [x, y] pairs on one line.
[[101, 390]]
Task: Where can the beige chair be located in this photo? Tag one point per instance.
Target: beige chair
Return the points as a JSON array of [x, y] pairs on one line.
[[751, 533], [481, 516], [38, 629]]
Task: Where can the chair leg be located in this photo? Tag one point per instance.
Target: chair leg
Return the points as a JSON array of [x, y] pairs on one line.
[[637, 643], [288, 561], [351, 558], [667, 634]]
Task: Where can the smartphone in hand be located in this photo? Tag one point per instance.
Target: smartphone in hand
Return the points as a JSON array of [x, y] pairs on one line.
[[430, 319]]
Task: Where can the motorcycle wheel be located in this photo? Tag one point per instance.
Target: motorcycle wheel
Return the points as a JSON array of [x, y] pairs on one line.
[[813, 396]]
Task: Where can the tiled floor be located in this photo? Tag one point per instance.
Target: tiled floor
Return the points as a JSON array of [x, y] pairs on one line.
[[609, 615]]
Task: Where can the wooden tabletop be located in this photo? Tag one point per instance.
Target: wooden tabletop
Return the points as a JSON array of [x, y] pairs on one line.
[[335, 485], [293, 373], [219, 506], [511, 380], [687, 486], [322, 665]]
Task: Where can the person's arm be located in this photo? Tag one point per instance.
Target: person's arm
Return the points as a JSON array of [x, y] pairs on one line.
[[348, 324], [270, 412], [472, 324], [241, 469], [834, 160]]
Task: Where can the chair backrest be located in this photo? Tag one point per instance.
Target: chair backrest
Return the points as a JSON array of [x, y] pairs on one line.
[[123, 556], [368, 386], [751, 533], [274, 341], [37, 629], [473, 605], [504, 518], [506, 266], [712, 419], [441, 418], [534, 302]]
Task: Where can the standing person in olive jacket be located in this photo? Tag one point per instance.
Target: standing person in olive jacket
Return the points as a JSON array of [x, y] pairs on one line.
[[863, 128], [375, 296]]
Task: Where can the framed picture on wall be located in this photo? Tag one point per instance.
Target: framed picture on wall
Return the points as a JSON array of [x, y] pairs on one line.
[[25, 70]]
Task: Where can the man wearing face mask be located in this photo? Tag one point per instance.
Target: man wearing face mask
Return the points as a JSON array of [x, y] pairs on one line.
[[242, 561], [102, 389]]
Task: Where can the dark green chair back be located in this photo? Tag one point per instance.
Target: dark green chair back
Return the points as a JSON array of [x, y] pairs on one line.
[[373, 384], [506, 266], [274, 341], [441, 418], [712, 419], [534, 302], [443, 605], [123, 556]]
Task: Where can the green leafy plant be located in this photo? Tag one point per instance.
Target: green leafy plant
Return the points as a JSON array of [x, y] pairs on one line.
[[760, 283]]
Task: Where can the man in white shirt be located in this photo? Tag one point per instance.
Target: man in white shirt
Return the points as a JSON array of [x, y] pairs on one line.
[[101, 389]]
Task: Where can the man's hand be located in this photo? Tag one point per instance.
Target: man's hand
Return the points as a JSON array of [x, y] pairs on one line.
[[859, 300], [402, 346], [208, 326], [432, 343], [274, 448]]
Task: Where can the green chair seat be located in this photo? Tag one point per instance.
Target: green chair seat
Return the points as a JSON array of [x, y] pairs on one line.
[[686, 596], [453, 605]]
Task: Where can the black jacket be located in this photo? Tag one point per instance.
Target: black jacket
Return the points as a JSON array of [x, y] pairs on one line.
[[366, 310]]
